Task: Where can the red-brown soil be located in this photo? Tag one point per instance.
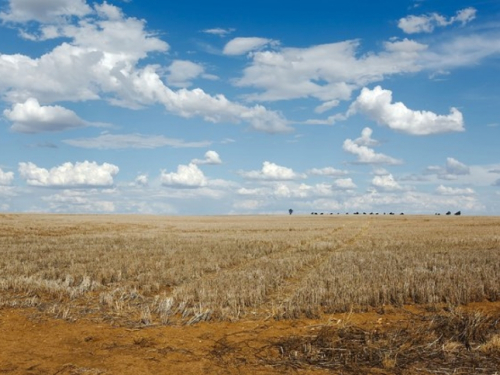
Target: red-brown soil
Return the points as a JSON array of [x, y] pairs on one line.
[[31, 343]]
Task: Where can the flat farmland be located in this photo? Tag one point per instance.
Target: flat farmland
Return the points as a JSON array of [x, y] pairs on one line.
[[336, 294]]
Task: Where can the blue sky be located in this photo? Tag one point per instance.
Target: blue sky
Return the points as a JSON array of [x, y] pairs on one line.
[[223, 107]]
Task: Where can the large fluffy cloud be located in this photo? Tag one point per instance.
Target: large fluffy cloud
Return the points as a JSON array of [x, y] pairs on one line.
[[189, 103], [377, 105], [31, 117], [105, 50], [189, 176], [427, 23], [328, 72], [81, 175]]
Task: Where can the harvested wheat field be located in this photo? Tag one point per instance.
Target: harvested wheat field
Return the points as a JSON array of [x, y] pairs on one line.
[[332, 294]]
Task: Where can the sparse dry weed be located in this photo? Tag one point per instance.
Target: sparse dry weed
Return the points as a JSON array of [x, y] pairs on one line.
[[447, 344]]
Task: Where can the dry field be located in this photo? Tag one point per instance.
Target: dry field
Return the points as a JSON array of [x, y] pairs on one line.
[[249, 294]]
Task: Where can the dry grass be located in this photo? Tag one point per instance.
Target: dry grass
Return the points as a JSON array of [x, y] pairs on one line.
[[160, 270], [453, 343]]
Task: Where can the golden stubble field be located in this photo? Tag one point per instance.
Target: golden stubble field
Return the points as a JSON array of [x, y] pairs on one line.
[[336, 294]]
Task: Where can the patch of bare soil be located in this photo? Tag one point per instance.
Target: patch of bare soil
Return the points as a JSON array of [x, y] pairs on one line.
[[412, 340]]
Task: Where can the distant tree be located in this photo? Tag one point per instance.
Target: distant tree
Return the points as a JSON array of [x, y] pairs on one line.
[[290, 211], [458, 213], [448, 213]]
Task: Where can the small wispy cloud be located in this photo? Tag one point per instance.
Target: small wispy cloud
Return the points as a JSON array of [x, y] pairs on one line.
[[138, 141], [428, 22], [219, 31]]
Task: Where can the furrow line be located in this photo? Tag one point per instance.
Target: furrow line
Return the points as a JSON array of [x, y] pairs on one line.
[[283, 294]]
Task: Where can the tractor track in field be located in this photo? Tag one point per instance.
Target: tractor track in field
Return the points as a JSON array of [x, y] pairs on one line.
[[251, 263], [283, 294], [294, 262]]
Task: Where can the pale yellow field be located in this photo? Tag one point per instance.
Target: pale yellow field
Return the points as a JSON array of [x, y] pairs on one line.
[[84, 294], [154, 269]]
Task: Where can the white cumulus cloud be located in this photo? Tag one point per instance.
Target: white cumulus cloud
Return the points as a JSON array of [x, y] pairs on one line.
[[44, 11], [211, 158], [188, 176], [386, 182], [272, 171], [81, 174], [365, 154], [189, 103], [181, 72], [6, 178], [377, 105], [344, 183], [141, 180], [366, 138], [31, 117], [328, 72], [450, 171], [106, 50], [455, 167]]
